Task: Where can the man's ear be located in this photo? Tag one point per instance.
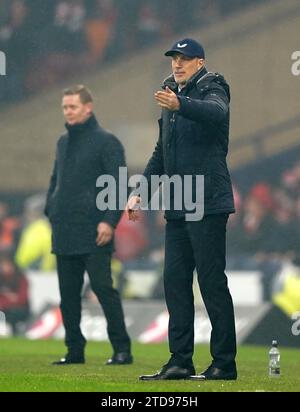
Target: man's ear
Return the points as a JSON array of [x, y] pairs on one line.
[[90, 107], [200, 63]]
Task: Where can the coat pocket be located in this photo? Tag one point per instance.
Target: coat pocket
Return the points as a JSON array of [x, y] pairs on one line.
[[221, 184]]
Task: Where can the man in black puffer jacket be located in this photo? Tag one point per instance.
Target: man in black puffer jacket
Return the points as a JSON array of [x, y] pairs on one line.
[[82, 235], [193, 141]]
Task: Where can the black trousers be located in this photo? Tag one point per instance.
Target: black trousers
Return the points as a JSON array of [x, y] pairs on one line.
[[71, 275], [198, 244]]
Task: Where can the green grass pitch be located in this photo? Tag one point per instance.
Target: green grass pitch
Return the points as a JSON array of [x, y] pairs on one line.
[[25, 366]]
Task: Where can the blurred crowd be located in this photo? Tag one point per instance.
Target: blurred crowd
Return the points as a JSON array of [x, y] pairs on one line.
[[265, 231], [47, 40]]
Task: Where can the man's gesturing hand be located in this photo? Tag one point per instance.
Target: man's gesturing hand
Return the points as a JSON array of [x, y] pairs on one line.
[[167, 99], [132, 208], [105, 233]]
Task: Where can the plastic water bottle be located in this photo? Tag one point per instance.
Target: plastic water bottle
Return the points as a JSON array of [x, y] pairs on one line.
[[274, 361]]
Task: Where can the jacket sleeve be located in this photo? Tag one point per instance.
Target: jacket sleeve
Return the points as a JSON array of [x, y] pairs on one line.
[[212, 108], [51, 188], [155, 165], [113, 157]]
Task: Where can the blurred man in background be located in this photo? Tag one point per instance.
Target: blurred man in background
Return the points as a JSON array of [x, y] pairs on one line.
[[193, 140], [82, 235]]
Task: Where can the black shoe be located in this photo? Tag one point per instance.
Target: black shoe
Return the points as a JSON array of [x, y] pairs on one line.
[[121, 358], [170, 372], [70, 359], [213, 373]]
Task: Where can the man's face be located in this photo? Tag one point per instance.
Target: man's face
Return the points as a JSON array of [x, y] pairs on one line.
[[74, 110], [185, 67]]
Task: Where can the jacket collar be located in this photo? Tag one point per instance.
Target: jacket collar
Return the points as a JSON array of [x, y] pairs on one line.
[[89, 125]]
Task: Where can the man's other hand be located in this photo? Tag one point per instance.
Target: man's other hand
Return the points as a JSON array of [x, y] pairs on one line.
[[105, 233], [132, 208]]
